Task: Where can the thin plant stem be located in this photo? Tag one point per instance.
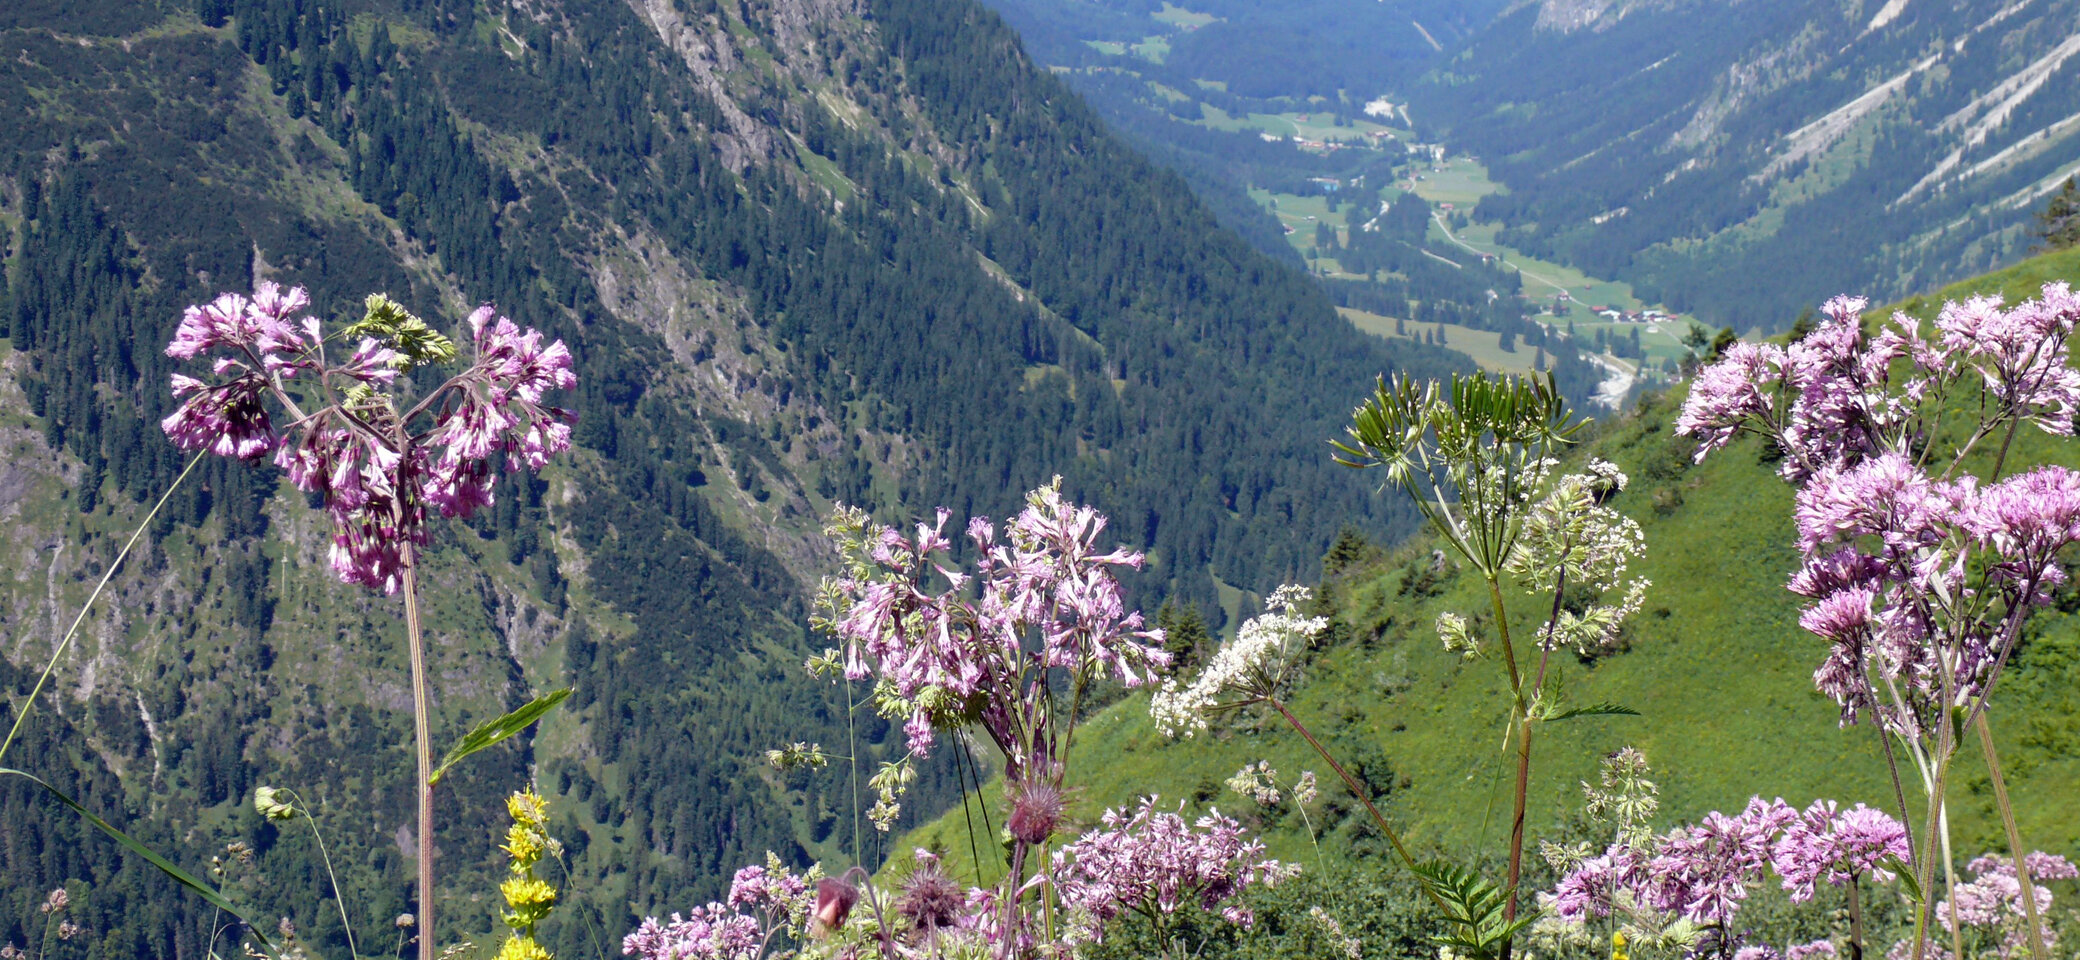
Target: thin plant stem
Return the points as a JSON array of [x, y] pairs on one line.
[[852, 759], [1357, 789], [1926, 868], [1297, 805], [960, 776], [1855, 918], [1520, 714], [1522, 796], [1899, 792], [65, 644], [422, 737], [569, 883], [1950, 879], [989, 829], [210, 951], [2015, 848], [338, 899]]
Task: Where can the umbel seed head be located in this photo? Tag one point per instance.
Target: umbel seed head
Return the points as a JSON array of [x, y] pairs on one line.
[[1036, 810], [931, 900]]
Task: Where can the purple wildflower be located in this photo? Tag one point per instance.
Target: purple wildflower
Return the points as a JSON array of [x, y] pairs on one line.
[[1151, 860], [1822, 844], [1815, 950], [360, 453]]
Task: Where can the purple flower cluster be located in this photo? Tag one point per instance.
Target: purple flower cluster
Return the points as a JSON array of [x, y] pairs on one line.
[[1990, 906], [1830, 399], [1884, 542], [1702, 873], [1918, 577], [1152, 860], [1046, 599], [361, 451], [762, 901], [1837, 846]]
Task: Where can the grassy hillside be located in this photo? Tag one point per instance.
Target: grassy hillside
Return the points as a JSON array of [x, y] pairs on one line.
[[1715, 663]]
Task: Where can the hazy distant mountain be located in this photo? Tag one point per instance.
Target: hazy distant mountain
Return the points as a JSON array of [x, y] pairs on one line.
[[1745, 159]]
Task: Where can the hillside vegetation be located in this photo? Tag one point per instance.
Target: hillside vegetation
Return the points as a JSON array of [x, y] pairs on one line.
[[1715, 663]]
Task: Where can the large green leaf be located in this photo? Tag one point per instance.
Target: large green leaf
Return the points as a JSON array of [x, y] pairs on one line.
[[165, 866], [492, 731], [1474, 909]]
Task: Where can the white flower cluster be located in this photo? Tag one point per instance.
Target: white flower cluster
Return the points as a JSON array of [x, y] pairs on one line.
[[1246, 670], [1352, 948], [1457, 635], [1607, 474], [1256, 781], [1571, 539]]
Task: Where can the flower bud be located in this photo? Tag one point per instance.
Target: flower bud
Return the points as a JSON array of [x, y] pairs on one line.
[[834, 900], [272, 803]]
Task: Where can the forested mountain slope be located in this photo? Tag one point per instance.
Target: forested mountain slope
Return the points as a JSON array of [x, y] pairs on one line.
[[805, 251], [1715, 662], [1691, 146]]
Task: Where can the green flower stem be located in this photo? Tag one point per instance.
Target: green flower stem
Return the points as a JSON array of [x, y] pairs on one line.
[[338, 899], [1855, 919], [65, 644], [423, 741], [2015, 848]]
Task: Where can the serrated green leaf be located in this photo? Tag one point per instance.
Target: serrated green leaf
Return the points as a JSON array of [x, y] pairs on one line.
[[1595, 710], [165, 866], [491, 732]]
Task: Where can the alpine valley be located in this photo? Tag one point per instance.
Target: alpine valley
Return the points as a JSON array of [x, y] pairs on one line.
[[911, 254]]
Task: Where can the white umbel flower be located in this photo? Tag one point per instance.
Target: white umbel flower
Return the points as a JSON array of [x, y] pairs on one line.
[[1243, 671]]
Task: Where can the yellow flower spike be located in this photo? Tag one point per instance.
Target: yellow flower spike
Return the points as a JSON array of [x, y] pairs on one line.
[[523, 845], [528, 898], [521, 948], [528, 807], [1618, 951], [523, 892]]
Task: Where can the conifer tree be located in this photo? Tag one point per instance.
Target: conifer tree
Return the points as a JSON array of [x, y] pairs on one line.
[[2058, 224]]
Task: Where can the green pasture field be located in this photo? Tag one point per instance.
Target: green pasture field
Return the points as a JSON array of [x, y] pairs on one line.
[[1484, 346], [1180, 17], [1302, 124]]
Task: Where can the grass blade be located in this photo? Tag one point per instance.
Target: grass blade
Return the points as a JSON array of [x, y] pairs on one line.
[[165, 866]]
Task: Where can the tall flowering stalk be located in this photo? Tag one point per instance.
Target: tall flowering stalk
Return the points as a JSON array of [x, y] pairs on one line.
[[529, 898], [949, 650], [1921, 573], [352, 433], [1476, 458]]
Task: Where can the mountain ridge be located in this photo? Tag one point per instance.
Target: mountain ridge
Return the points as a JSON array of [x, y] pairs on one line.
[[800, 257]]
